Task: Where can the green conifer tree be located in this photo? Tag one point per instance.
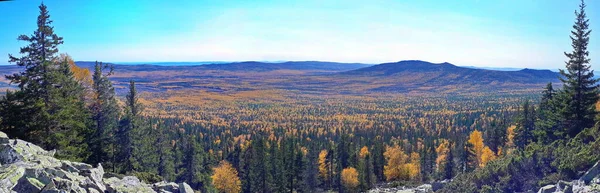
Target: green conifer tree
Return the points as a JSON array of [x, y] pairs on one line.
[[546, 124], [196, 168], [47, 109], [580, 91], [525, 126], [105, 115], [166, 162]]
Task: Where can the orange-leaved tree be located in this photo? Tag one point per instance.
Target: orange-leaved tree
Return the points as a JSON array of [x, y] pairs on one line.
[[476, 140], [350, 178], [487, 156], [225, 178]]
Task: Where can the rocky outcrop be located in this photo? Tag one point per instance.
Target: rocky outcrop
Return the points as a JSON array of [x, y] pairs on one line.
[[589, 182], [425, 188], [26, 167]]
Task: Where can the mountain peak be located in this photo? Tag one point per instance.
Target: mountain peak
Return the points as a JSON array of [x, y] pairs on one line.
[[439, 74]]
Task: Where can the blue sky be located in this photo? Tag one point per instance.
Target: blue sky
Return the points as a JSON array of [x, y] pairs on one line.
[[508, 33]]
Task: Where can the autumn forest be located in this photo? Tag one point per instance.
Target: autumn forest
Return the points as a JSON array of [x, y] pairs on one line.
[[307, 126]]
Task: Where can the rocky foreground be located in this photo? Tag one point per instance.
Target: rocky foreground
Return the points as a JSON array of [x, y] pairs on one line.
[[29, 168], [589, 182]]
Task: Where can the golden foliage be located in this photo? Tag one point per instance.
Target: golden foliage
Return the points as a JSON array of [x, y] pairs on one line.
[[395, 158], [225, 178], [364, 151], [414, 167], [476, 139], [442, 152], [82, 75], [500, 152], [323, 165], [350, 178], [401, 166], [510, 135], [487, 156]]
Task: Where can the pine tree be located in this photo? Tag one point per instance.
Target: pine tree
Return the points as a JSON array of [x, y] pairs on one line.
[[105, 115], [378, 159], [128, 130], [47, 109], [312, 171], [166, 162], [580, 91], [546, 124], [196, 168], [365, 168], [277, 180], [69, 118], [256, 175], [525, 126], [32, 97], [449, 165], [471, 161]]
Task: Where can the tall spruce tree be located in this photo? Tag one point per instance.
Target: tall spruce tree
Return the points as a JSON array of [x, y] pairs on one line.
[[196, 169], [166, 161], [525, 126], [546, 122], [127, 131], [33, 82], [47, 109], [105, 115], [449, 165], [68, 116], [580, 89], [256, 167]]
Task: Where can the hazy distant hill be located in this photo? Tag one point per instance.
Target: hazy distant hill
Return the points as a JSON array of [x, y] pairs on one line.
[[446, 73], [320, 77], [249, 66], [302, 65]]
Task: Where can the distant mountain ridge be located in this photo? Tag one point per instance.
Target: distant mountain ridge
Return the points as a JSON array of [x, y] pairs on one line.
[[249, 66], [447, 73], [409, 76]]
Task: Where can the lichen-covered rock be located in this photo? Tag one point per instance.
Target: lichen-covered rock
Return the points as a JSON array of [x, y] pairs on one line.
[[166, 187], [3, 138], [94, 176], [26, 184], [185, 188], [25, 167], [9, 155], [9, 176], [127, 184]]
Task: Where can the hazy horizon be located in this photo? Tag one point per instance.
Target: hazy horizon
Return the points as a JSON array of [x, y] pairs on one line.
[[511, 34]]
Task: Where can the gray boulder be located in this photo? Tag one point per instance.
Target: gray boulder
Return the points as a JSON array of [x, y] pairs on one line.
[[127, 184], [185, 188], [3, 138], [166, 187], [26, 184], [547, 189], [591, 173], [425, 188], [565, 187]]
